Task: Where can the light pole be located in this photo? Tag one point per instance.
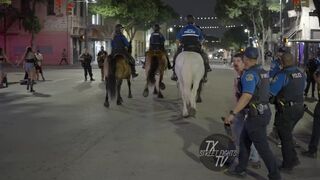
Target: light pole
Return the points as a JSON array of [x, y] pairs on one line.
[[247, 31], [281, 21]]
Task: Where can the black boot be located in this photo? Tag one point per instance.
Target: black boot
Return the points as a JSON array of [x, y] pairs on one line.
[[174, 76], [168, 62], [31, 87]]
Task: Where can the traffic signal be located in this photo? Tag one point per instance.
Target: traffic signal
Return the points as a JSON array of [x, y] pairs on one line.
[[70, 6], [297, 5]]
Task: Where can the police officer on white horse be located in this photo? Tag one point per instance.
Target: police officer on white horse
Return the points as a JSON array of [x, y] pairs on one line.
[[190, 38]]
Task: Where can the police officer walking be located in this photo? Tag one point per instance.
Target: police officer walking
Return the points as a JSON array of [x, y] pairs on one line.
[[287, 91], [255, 99], [121, 45], [157, 42], [102, 55], [315, 136], [275, 66], [86, 59], [190, 38]]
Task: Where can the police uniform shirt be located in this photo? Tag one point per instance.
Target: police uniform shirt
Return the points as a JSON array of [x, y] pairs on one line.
[[274, 67], [249, 80], [156, 38], [119, 42], [281, 80], [190, 30]]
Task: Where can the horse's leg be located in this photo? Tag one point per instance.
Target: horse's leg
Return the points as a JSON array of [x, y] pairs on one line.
[[158, 86], [161, 84], [129, 87], [185, 112], [199, 99], [119, 98], [146, 88], [193, 96], [155, 91], [106, 101]]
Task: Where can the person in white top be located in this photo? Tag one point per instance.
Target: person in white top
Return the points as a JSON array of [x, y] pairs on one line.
[[39, 60]]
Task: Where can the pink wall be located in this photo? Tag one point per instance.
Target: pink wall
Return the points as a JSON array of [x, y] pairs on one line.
[[50, 45]]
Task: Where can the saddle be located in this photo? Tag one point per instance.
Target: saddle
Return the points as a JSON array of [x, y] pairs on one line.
[[193, 48]]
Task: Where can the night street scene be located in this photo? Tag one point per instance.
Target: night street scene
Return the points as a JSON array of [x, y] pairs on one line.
[[159, 89]]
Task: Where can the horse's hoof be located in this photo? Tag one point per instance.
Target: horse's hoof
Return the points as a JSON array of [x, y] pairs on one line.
[[106, 104], [119, 103], [199, 100], [121, 100], [130, 96], [145, 93], [162, 86], [160, 96], [192, 112], [185, 116]]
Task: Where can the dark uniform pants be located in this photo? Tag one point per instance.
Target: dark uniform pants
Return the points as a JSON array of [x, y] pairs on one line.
[[285, 122], [312, 82], [255, 131], [314, 142], [87, 70]]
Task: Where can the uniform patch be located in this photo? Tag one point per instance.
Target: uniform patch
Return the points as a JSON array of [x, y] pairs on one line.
[[296, 75], [249, 77]]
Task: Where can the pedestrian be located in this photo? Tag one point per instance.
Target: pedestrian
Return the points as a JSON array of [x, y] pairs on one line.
[[311, 67], [255, 100], [29, 60], [3, 60], [86, 59], [240, 118], [102, 55], [39, 58], [315, 136], [287, 95], [64, 57]]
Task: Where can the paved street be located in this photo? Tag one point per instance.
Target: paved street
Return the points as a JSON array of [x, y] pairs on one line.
[[63, 131]]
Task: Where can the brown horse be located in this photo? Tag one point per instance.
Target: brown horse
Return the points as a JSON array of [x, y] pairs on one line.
[[116, 69], [156, 63]]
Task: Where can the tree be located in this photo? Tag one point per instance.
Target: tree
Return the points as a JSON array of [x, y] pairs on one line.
[[134, 14], [234, 38], [31, 22], [255, 13]]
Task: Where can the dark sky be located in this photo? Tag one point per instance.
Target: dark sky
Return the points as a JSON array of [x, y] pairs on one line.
[[198, 8]]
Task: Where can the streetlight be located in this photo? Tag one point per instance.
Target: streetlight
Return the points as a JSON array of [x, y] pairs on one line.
[[247, 31]]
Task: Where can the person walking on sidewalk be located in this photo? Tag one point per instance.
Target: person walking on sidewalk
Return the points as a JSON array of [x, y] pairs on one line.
[[315, 136], [85, 59], [287, 95], [39, 58], [255, 100], [64, 57], [29, 60], [3, 60], [102, 55], [311, 67]]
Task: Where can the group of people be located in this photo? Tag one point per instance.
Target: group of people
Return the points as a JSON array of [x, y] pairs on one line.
[[190, 38], [32, 64], [256, 88]]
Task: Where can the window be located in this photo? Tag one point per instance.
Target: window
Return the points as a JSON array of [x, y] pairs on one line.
[[25, 6], [50, 8], [75, 8], [82, 9]]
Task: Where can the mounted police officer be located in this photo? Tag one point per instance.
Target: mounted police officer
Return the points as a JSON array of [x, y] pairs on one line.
[[157, 42], [190, 38], [120, 45], [287, 91], [255, 101]]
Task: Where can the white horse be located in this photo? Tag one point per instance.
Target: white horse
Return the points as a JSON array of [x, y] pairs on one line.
[[189, 68]]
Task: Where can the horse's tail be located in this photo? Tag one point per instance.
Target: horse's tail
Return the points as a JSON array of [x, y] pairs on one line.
[[112, 82], [153, 69]]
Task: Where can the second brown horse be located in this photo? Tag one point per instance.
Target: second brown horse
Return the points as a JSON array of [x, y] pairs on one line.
[[156, 63]]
